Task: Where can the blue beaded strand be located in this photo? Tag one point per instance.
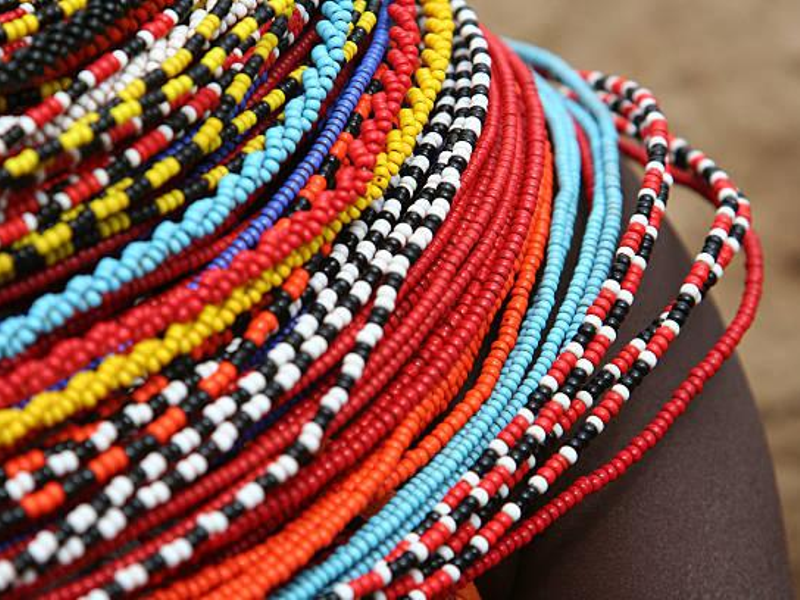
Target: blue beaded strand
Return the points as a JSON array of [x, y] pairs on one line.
[[203, 217], [407, 508], [334, 125]]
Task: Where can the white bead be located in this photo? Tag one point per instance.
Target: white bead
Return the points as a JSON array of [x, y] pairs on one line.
[[214, 414], [287, 376], [175, 392], [187, 440], [343, 591], [43, 546], [499, 446], [507, 463], [227, 405], [399, 265], [289, 464], [597, 422], [107, 528], [442, 509], [538, 433], [706, 258], [88, 78], [186, 470], [225, 436], [334, 399], [382, 226], [184, 548], [327, 298], [446, 552], [306, 324], [137, 575], [154, 464], [612, 285], [480, 543], [119, 490], [256, 409], [214, 522], [673, 326], [526, 414], [361, 290], [353, 366], [366, 248], [148, 38], [449, 522], [370, 334], [638, 343], [7, 574], [251, 495], [539, 483], [199, 462], [315, 346], [253, 382], [608, 332], [31, 222], [311, 443], [170, 555], [626, 296], [282, 353], [75, 549], [147, 497], [81, 518], [206, 369], [594, 321], [481, 495], [569, 453], [383, 571], [104, 436], [585, 397], [623, 391], [20, 485], [28, 124], [419, 550], [562, 399], [471, 478], [648, 358], [575, 349], [161, 492], [452, 572], [549, 382], [513, 511], [133, 157]]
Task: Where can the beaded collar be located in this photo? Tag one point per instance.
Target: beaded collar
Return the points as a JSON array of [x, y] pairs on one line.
[[281, 277]]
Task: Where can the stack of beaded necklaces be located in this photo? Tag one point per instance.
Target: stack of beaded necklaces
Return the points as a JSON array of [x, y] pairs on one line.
[[287, 306]]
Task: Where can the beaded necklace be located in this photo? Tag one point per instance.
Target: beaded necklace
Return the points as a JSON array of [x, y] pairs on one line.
[[280, 280], [474, 492], [172, 395], [166, 237], [531, 328]]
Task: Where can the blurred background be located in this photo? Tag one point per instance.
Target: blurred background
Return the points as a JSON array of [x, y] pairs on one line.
[[727, 75]]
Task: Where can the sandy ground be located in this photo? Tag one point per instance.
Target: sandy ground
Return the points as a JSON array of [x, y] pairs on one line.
[[728, 77]]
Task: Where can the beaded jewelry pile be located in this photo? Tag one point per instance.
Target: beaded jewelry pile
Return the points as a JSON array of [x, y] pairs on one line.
[[280, 284]]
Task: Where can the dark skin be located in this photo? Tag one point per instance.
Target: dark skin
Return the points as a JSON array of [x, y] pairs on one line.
[[699, 517]]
